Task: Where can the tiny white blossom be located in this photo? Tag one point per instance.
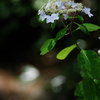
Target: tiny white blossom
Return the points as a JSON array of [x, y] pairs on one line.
[[60, 4], [43, 15], [65, 16], [69, 3], [52, 18], [87, 11], [73, 4], [41, 10]]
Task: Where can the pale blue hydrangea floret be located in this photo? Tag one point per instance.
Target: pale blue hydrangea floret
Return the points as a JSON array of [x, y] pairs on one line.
[[49, 18], [42, 15], [53, 17], [73, 4], [65, 16], [87, 11], [60, 4], [68, 3]]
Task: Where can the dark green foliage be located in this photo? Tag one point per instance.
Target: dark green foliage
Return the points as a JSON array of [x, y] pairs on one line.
[[83, 28], [47, 46], [50, 43], [89, 63], [88, 90], [91, 27], [61, 34], [53, 25]]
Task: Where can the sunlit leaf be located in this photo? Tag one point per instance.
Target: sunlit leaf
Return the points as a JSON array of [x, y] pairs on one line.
[[47, 46], [96, 81], [91, 27], [64, 53], [89, 63], [60, 34]]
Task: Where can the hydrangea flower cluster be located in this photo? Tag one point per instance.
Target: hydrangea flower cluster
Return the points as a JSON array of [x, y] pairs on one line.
[[55, 9]]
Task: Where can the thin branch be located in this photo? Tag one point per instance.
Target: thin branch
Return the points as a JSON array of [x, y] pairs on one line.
[[70, 31]]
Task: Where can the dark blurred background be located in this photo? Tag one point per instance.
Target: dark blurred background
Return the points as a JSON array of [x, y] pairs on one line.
[[24, 73]]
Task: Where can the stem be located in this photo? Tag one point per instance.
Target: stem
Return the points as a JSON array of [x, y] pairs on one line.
[[70, 31], [63, 23]]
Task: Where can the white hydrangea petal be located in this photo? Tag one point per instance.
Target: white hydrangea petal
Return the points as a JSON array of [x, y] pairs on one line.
[[65, 16], [68, 3], [41, 9], [60, 4], [43, 15], [49, 19], [87, 11], [53, 17], [90, 15], [73, 4]]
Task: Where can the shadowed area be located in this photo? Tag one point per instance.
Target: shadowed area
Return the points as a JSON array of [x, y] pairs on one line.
[[24, 73]]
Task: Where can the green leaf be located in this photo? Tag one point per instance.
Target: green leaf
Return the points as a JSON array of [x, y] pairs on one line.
[[83, 28], [60, 34], [47, 46], [53, 25], [64, 53], [88, 90], [42, 21], [80, 18], [91, 27], [89, 63]]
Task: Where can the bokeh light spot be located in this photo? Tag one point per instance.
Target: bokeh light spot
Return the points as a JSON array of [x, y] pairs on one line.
[[30, 73]]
